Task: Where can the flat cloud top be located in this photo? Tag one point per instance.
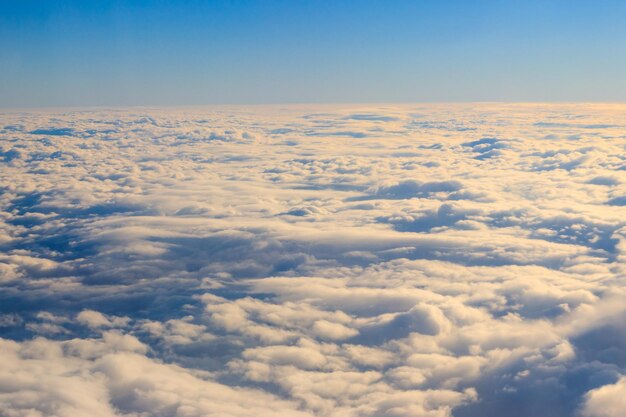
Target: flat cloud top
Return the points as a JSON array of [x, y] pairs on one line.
[[340, 261]]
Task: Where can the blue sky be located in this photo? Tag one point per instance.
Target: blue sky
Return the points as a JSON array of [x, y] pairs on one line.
[[71, 53]]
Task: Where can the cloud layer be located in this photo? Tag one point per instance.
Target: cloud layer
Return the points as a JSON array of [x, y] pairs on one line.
[[440, 260]]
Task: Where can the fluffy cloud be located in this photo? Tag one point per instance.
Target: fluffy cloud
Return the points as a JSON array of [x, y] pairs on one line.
[[113, 377], [606, 401], [338, 261]]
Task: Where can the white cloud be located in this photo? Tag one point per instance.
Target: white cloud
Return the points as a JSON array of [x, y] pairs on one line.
[[337, 261], [606, 401], [40, 378], [95, 319]]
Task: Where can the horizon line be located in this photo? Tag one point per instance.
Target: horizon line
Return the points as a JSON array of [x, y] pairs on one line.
[[297, 104]]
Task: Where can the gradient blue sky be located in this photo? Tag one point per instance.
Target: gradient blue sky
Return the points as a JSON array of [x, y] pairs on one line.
[[70, 53]]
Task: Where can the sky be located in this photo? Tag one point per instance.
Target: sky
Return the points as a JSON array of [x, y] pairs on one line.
[[394, 235], [94, 53]]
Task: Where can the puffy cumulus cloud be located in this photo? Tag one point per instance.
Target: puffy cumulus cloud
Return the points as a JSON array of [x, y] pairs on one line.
[[112, 377], [95, 319], [606, 401], [332, 331], [336, 261], [176, 331], [411, 188]]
